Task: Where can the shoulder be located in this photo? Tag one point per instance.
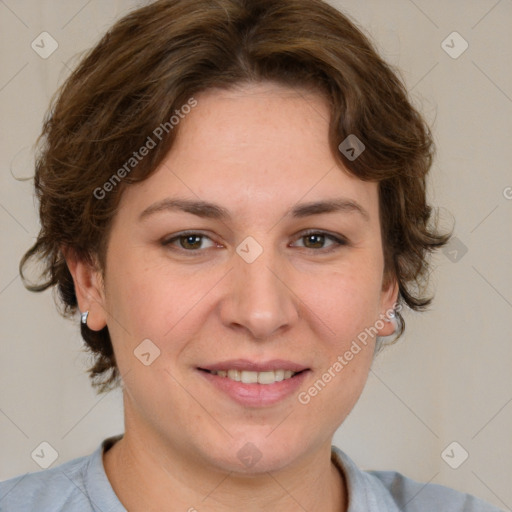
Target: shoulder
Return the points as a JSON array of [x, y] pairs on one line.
[[369, 490], [59, 488], [77, 485], [412, 496]]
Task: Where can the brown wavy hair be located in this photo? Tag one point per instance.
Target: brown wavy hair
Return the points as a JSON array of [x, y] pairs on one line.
[[151, 62]]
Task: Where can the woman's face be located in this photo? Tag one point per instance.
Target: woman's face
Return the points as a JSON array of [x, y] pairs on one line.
[[209, 269]]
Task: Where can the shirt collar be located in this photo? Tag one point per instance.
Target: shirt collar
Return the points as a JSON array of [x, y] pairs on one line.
[[365, 491]]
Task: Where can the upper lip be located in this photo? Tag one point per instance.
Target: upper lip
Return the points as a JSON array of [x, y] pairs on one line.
[[252, 366]]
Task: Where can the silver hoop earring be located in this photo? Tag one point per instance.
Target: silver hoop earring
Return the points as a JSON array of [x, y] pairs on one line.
[[83, 317], [390, 316]]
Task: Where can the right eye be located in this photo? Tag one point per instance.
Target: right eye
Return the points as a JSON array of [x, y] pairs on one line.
[[188, 241]]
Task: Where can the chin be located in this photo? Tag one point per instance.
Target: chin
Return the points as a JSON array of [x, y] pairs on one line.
[[254, 451]]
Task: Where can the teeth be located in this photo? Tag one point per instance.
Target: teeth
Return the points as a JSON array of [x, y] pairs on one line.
[[233, 375], [279, 375], [266, 378], [248, 377]]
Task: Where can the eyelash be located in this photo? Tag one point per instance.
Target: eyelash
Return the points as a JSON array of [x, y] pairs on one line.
[[338, 241]]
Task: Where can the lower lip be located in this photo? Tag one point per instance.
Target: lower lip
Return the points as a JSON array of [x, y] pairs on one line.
[[256, 395]]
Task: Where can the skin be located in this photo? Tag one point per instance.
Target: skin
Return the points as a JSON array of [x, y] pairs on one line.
[[256, 150]]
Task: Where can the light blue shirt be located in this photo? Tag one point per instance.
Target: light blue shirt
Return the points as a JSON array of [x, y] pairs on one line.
[[81, 485]]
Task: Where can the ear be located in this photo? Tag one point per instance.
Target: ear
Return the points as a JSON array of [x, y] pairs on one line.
[[89, 289], [389, 299]]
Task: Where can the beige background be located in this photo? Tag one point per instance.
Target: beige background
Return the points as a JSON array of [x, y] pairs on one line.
[[449, 379]]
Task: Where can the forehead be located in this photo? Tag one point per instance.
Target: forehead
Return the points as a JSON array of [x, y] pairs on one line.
[[261, 124], [256, 150]]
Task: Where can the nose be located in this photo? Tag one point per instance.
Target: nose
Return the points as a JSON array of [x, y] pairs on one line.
[[260, 298]]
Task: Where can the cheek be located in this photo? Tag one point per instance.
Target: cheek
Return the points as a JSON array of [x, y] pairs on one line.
[[149, 299], [346, 300]]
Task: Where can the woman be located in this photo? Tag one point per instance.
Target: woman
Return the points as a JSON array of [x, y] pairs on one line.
[[232, 194]]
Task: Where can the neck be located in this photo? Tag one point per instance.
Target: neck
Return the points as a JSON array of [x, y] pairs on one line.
[[147, 476]]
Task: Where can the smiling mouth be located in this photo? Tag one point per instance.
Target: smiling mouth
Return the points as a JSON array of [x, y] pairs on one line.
[[251, 377]]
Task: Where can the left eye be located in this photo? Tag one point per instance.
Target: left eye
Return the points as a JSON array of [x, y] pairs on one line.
[[316, 238]]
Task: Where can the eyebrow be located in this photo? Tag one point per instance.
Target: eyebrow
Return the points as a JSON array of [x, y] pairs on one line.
[[208, 210]]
